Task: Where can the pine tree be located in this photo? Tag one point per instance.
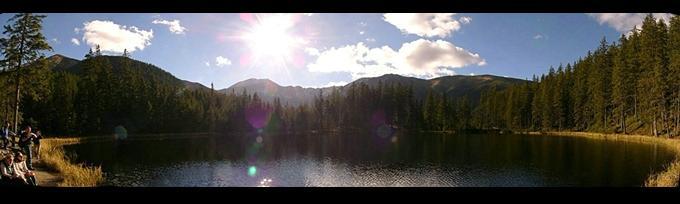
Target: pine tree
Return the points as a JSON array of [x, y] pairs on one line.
[[89, 54], [621, 89], [600, 81], [98, 51], [547, 91], [674, 69], [24, 46], [653, 80]]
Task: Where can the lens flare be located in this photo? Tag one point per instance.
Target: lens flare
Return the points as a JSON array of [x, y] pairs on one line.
[[252, 171], [120, 133], [265, 182], [257, 115]]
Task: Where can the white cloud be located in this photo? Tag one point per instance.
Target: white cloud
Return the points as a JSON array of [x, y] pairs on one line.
[[329, 84], [336, 83], [363, 24], [222, 61], [75, 41], [308, 14], [465, 19], [207, 64], [370, 39], [624, 22], [174, 25], [56, 41], [312, 51], [419, 58], [112, 37], [361, 32], [538, 36], [76, 30], [426, 24]]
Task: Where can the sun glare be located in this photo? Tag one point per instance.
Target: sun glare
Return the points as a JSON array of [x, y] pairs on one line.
[[271, 36]]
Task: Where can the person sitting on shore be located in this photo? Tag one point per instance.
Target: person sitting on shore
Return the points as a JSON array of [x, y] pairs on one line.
[[23, 171], [5, 134], [9, 174]]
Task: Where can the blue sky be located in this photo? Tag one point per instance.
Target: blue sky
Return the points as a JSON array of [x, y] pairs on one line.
[[314, 50]]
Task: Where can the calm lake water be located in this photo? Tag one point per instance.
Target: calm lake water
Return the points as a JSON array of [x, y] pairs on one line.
[[373, 160]]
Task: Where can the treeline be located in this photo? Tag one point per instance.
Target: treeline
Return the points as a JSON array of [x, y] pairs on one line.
[[632, 86], [385, 107], [114, 90]]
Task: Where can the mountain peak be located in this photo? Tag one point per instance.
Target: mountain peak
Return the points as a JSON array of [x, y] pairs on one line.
[[58, 58], [255, 82], [61, 62]]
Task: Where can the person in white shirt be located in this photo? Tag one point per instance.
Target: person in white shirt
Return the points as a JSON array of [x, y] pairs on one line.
[[9, 174], [23, 171]]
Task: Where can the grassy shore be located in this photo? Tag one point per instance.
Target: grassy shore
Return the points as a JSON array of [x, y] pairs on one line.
[[74, 175], [669, 177]]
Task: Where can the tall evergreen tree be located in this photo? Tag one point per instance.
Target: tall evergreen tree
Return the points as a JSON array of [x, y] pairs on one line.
[[23, 51], [674, 69]]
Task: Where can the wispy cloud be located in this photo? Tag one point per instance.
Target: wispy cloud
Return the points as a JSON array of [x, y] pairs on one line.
[[222, 61], [75, 41], [174, 25], [624, 22], [312, 51], [335, 83], [465, 19]]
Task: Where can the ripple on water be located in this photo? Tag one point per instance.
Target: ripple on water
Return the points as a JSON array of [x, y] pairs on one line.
[[311, 172]]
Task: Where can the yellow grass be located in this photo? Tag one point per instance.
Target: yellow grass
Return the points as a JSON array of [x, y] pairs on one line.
[[74, 175], [669, 177]]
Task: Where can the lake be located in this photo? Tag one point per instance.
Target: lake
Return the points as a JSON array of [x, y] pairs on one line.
[[373, 159]]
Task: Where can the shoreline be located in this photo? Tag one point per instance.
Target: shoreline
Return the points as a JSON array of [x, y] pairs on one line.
[[669, 177], [56, 169]]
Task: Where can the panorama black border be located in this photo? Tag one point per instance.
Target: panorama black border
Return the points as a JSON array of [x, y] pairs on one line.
[[340, 6], [425, 195], [336, 195]]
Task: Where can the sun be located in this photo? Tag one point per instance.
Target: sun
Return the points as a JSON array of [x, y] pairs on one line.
[[271, 36]]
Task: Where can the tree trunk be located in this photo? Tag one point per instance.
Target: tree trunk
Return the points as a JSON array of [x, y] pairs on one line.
[[623, 120], [16, 106], [604, 120], [665, 123], [654, 132], [7, 104], [637, 117], [677, 115]]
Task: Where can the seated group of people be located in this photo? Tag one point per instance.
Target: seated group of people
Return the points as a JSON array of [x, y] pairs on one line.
[[16, 165], [15, 172]]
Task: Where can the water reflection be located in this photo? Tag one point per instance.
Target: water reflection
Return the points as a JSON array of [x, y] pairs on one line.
[[372, 160]]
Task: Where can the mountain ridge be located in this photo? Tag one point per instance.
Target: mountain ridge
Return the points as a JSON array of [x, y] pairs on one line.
[[268, 90]]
